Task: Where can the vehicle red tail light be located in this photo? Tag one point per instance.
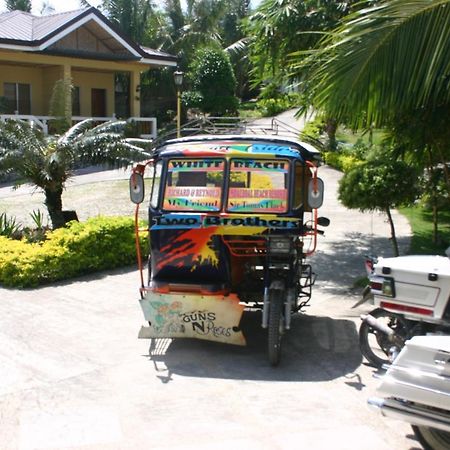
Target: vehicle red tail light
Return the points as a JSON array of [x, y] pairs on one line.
[[405, 308], [376, 286]]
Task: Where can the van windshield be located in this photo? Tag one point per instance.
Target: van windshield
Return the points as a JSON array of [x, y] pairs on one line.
[[194, 184], [258, 186]]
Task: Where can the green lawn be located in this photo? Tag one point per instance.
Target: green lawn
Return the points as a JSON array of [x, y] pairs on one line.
[[346, 136], [422, 226]]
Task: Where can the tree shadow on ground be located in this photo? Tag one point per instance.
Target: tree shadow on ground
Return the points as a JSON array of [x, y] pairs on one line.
[[315, 349], [342, 263]]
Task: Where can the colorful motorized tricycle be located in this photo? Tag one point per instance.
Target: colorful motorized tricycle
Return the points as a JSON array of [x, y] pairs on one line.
[[230, 218]]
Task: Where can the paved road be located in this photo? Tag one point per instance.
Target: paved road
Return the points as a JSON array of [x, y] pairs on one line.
[[73, 374]]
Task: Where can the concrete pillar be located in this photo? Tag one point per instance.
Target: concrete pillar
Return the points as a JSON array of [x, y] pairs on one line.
[[135, 93]]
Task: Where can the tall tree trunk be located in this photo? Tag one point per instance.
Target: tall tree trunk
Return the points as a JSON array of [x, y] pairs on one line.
[[331, 128], [53, 202], [434, 198], [393, 236], [435, 220], [444, 162]]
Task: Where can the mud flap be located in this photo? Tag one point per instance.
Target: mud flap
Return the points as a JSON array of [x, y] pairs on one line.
[[209, 317]]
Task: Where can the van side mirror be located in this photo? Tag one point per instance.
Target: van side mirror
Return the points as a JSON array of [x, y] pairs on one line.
[[137, 190], [315, 193]]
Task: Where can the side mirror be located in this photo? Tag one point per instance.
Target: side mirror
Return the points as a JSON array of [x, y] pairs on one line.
[[323, 221], [315, 193], [137, 191]]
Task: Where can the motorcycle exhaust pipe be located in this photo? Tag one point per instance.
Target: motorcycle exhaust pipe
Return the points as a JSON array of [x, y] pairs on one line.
[[375, 323]]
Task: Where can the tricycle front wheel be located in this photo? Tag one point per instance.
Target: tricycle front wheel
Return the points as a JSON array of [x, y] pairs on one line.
[[275, 325]]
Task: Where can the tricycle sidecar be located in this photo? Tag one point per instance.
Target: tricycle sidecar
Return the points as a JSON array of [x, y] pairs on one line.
[[227, 231]]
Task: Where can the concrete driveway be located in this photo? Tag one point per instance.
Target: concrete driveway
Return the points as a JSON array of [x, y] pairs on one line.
[[73, 374]]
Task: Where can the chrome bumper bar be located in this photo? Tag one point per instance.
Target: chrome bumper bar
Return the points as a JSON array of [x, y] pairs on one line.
[[412, 413]]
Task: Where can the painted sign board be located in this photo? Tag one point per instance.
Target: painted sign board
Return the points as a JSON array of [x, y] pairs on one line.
[[208, 317]]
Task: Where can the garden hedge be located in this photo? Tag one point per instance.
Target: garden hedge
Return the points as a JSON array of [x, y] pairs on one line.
[[82, 247], [341, 161]]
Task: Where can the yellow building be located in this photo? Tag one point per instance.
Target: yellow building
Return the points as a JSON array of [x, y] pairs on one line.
[[82, 47]]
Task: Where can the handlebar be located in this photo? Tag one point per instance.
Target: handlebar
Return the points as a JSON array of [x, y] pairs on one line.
[[321, 232]]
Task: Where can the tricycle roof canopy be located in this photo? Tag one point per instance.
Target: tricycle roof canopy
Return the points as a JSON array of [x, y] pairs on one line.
[[238, 145]]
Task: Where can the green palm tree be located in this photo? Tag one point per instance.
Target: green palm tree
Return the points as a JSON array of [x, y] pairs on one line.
[[280, 27], [385, 59], [21, 5], [131, 16], [198, 25], [48, 162], [388, 65]]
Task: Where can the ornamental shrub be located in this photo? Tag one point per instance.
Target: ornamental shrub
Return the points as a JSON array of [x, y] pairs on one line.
[[98, 244], [381, 183], [272, 106], [341, 161], [214, 82], [192, 99], [277, 104]]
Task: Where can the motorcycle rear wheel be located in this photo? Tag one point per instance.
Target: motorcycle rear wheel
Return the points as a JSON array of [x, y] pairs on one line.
[[374, 344], [275, 325], [432, 438]]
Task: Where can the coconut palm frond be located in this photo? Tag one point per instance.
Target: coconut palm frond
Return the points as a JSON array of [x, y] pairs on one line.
[[144, 144], [394, 56], [115, 153], [138, 152], [19, 143], [113, 126], [19, 131], [77, 130], [238, 47], [88, 130], [8, 160], [89, 141]]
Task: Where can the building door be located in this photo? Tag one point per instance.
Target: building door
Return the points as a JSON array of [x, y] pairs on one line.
[[98, 102]]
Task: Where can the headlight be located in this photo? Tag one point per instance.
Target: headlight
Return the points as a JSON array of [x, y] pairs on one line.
[[280, 245]]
